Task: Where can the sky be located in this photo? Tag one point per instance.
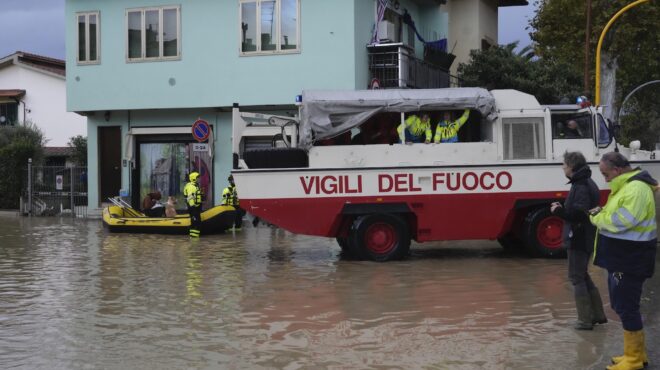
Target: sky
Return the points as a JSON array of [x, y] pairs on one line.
[[37, 26]]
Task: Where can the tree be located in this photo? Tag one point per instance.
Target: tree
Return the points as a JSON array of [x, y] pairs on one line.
[[500, 67], [558, 31], [79, 145], [17, 144]]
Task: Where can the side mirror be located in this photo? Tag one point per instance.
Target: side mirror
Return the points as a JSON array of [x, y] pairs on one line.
[[614, 128]]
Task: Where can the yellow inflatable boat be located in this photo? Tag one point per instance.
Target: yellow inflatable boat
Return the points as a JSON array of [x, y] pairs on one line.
[[122, 219]]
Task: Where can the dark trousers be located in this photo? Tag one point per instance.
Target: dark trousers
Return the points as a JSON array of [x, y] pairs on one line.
[[578, 266], [195, 213], [625, 294], [412, 138], [238, 217]]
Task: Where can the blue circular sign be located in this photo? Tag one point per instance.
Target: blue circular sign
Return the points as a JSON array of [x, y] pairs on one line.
[[201, 130]]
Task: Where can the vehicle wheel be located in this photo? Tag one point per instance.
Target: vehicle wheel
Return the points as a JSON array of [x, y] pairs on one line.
[[343, 243], [276, 158], [544, 234], [379, 237]]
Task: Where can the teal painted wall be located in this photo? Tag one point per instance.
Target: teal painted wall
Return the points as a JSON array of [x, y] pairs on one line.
[[365, 12], [221, 122], [210, 73]]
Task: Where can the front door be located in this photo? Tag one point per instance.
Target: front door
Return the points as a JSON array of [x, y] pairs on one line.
[[109, 162]]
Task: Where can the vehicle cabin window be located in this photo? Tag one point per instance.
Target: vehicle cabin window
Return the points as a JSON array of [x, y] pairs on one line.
[[562, 128], [8, 114], [269, 26], [523, 138], [88, 38], [604, 137], [153, 34]]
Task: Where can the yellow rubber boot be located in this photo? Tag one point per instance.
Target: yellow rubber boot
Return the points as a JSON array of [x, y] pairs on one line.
[[633, 347], [645, 357]]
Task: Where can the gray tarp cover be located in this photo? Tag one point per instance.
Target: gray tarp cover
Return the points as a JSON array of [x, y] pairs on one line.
[[328, 113]]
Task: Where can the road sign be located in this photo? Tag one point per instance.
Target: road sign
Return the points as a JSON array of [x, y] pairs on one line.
[[201, 130]]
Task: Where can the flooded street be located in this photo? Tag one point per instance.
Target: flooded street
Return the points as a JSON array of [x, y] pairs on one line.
[[73, 296]]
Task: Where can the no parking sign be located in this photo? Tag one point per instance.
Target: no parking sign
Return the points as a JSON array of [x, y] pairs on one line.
[[201, 130]]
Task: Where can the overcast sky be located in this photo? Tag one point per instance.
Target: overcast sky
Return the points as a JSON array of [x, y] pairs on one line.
[[37, 26]]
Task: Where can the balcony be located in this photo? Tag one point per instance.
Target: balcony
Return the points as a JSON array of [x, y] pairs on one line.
[[395, 66]]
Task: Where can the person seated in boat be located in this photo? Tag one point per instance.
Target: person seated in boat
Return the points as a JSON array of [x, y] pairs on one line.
[[170, 210], [151, 205], [447, 129], [415, 129]]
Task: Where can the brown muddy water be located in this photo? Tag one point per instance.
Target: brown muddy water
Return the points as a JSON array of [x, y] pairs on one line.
[[73, 296]]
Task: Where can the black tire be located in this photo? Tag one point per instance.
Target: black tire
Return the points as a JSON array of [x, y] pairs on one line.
[[511, 243], [543, 233], [379, 237], [276, 158], [343, 243]]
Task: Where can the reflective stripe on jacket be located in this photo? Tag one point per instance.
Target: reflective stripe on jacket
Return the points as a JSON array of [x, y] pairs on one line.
[[193, 194], [630, 210], [416, 127], [627, 227], [448, 132], [230, 196]]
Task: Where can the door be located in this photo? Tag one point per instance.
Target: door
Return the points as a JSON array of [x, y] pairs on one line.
[[109, 162]]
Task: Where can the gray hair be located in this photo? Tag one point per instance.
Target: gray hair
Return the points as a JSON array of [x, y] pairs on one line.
[[615, 160], [574, 160]]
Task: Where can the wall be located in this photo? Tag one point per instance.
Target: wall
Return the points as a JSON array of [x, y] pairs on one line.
[[210, 73], [45, 103], [463, 29], [221, 121]]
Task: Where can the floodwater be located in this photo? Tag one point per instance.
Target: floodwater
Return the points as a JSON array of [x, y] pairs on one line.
[[73, 296]]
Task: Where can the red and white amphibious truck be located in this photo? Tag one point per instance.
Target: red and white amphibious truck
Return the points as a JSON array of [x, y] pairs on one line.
[[336, 169]]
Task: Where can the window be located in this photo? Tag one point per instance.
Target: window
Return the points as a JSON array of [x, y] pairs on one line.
[[269, 26], [153, 34], [604, 138], [8, 114], [572, 126], [88, 38], [523, 138]]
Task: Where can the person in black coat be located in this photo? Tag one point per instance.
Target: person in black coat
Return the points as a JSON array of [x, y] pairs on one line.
[[579, 236]]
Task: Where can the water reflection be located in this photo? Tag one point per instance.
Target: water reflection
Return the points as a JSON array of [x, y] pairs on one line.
[[74, 296]]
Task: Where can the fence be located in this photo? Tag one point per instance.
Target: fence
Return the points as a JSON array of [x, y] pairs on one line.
[[55, 191], [398, 69]]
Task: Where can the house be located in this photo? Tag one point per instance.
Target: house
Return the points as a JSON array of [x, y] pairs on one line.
[[143, 72], [33, 89]]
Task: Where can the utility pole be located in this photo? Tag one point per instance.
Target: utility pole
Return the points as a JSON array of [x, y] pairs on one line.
[[587, 40]]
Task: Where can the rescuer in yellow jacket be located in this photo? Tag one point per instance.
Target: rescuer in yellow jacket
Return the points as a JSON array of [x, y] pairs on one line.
[[230, 198], [415, 130], [626, 248], [446, 131], [193, 194]]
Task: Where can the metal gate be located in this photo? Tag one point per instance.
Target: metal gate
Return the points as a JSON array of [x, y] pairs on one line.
[[55, 191]]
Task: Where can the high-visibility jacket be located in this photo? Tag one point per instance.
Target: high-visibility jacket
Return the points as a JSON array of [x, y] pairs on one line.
[[416, 127], [447, 132], [626, 225], [193, 194], [230, 196]]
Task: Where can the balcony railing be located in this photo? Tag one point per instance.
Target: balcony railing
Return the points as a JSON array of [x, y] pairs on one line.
[[397, 68]]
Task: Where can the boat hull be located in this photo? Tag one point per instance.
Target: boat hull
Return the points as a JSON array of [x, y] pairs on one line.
[[119, 220]]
